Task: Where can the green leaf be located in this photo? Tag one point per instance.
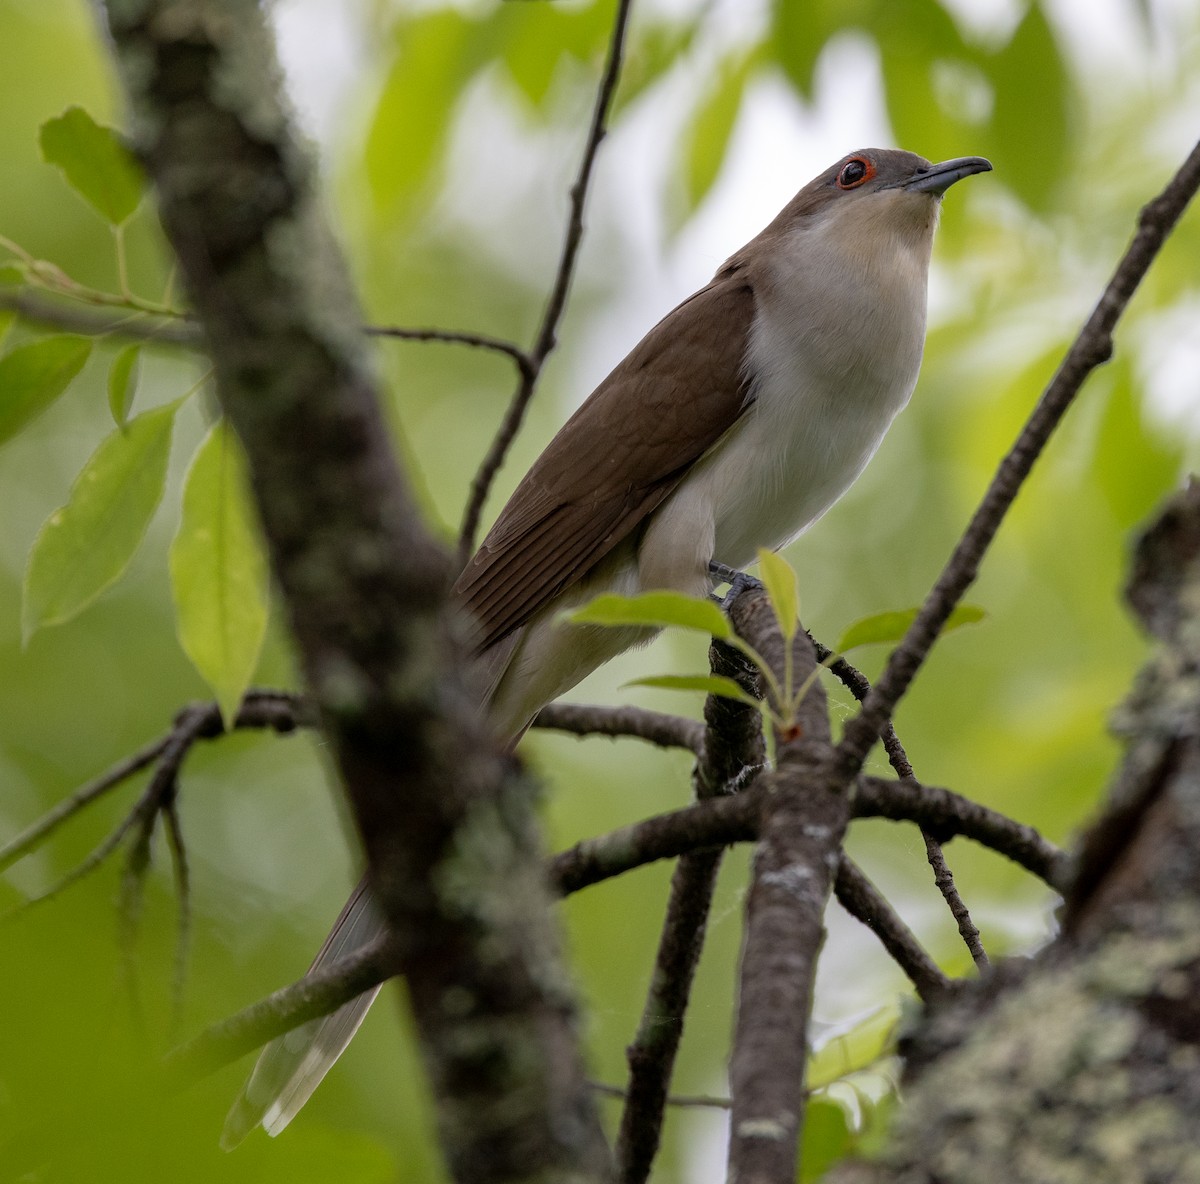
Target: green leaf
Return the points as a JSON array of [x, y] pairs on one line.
[[655, 610], [855, 1050], [7, 316], [710, 684], [892, 626], [122, 382], [707, 136], [780, 582], [1030, 126], [219, 578], [34, 375], [651, 54], [798, 34], [436, 53], [96, 163], [85, 546], [536, 40], [826, 1138]]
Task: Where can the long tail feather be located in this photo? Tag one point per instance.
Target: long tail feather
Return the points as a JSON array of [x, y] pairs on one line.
[[293, 1065]]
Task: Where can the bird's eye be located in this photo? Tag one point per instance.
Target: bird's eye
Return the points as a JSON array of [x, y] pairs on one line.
[[854, 172]]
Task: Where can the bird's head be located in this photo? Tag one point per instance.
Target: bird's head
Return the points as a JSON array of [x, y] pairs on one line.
[[881, 190]]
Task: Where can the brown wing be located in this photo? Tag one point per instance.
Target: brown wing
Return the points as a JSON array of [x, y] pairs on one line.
[[616, 458]]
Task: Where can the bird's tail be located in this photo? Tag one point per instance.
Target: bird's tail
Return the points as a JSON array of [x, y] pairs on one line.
[[293, 1065]]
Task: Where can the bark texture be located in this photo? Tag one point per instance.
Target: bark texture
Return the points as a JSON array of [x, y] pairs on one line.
[[446, 819]]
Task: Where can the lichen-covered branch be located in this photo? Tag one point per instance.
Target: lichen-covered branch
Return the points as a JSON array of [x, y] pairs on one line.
[[445, 817], [805, 812]]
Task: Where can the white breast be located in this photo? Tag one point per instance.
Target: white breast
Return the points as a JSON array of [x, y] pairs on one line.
[[833, 356]]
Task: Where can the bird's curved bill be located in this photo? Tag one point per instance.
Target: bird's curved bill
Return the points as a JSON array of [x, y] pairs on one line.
[[940, 177]]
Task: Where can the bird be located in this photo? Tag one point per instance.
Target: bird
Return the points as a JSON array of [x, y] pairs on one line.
[[733, 425]]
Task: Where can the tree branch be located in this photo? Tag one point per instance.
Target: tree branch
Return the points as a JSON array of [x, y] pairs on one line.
[[863, 901], [721, 821], [547, 334], [733, 743], [804, 817], [316, 994], [585, 719], [446, 819], [278, 710], [856, 682], [454, 337], [132, 326]]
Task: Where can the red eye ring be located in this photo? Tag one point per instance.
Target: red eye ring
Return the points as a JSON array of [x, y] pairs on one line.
[[858, 170]]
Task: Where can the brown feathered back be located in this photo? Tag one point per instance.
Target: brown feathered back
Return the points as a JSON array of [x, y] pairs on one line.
[[579, 500]]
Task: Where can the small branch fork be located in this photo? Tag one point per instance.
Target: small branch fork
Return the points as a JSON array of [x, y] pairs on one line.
[[943, 878], [199, 721]]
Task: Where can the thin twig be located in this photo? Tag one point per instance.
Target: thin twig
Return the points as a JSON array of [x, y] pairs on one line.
[[131, 326], [35, 834], [722, 821], [943, 879], [715, 823], [132, 896], [1092, 347], [858, 685], [183, 895], [190, 723], [804, 817], [657, 727], [947, 814], [682, 1101], [547, 334], [483, 341], [863, 901], [282, 711]]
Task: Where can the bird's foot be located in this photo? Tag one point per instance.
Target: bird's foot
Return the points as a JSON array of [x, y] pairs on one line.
[[738, 582]]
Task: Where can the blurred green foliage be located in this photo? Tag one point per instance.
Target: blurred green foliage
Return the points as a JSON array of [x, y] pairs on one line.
[[458, 133]]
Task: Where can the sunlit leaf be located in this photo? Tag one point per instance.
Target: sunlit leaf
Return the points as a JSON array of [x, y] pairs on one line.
[[654, 50], [892, 626], [1029, 129], [534, 41], [436, 53], [709, 684], [854, 1050], [85, 546], [655, 610], [219, 578], [780, 582], [95, 162], [708, 133], [826, 1138], [798, 34], [32, 376], [122, 382]]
